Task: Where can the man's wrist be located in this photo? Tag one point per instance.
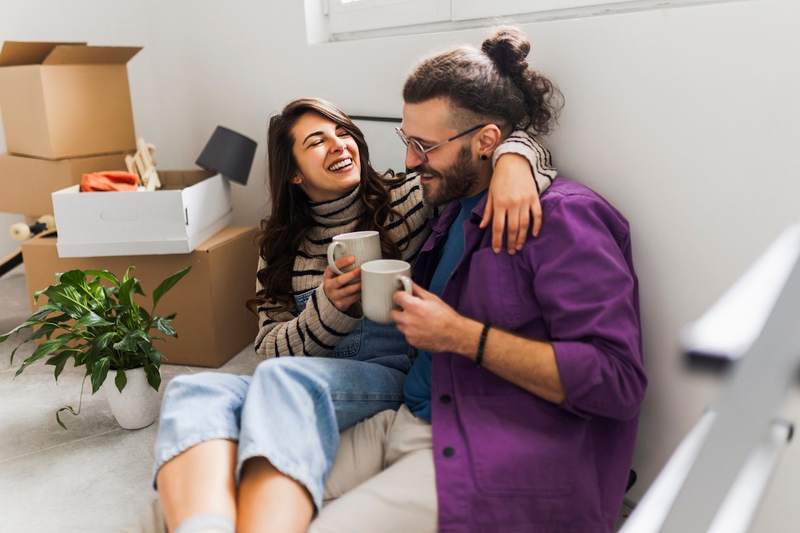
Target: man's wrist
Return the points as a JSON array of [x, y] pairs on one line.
[[466, 336]]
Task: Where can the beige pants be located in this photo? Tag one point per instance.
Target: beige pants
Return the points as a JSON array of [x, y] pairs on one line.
[[383, 478]]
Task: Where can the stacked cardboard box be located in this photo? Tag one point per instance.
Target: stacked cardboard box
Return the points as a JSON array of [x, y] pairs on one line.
[[213, 323], [66, 111]]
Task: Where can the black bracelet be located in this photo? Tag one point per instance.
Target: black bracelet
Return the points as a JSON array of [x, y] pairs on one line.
[[482, 344]]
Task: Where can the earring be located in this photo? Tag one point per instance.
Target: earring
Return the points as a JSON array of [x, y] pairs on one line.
[[484, 157]]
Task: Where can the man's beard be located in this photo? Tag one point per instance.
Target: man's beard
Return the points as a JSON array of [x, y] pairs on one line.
[[452, 183]]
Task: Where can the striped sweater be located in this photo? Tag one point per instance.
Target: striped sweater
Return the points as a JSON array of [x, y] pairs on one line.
[[320, 326]]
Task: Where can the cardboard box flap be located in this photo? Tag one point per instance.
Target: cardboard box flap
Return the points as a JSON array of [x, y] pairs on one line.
[[16, 53], [90, 55]]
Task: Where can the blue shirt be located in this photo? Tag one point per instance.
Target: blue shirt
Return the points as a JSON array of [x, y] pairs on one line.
[[417, 388]]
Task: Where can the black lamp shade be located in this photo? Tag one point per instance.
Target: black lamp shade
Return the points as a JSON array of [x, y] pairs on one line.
[[229, 153]]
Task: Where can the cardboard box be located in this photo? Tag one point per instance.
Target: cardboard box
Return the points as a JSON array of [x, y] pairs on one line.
[[192, 206], [26, 183], [66, 100], [213, 324]]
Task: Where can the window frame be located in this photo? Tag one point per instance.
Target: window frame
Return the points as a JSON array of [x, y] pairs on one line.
[[367, 15], [362, 19]]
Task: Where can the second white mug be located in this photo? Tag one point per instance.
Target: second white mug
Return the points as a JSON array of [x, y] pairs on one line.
[[379, 281]]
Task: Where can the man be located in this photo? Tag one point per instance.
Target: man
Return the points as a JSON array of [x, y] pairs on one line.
[[521, 408]]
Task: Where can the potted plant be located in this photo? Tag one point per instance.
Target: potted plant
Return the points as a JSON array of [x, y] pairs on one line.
[[91, 317]]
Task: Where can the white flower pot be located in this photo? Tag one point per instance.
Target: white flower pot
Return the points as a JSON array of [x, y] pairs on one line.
[[138, 403]]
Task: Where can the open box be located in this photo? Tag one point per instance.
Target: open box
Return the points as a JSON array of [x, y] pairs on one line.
[[192, 206], [64, 100]]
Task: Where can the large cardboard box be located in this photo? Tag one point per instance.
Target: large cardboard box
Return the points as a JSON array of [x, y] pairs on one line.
[[192, 206], [213, 324], [66, 100], [26, 183]]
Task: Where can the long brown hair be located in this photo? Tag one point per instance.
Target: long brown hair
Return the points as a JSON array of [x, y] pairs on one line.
[[494, 83], [283, 231]]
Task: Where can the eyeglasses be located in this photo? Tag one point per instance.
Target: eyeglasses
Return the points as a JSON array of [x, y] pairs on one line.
[[421, 151]]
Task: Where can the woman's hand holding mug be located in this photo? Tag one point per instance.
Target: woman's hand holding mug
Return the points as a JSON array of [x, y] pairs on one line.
[[343, 290]]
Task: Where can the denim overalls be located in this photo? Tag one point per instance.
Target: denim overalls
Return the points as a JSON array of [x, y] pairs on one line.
[[291, 409]]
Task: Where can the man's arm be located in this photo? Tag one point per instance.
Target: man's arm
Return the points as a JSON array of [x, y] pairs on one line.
[[526, 363], [588, 296], [430, 324]]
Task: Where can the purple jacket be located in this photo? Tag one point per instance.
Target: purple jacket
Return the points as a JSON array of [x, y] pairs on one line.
[[505, 459]]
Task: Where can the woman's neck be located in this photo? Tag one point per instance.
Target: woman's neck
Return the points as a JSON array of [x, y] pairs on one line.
[[340, 210]]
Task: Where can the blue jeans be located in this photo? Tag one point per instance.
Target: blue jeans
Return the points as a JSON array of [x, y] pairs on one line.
[[292, 409]]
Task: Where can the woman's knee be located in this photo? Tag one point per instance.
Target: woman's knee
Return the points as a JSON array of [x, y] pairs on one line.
[[278, 368], [285, 373], [204, 386]]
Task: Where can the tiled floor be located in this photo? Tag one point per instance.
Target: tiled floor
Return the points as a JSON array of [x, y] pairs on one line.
[[94, 477]]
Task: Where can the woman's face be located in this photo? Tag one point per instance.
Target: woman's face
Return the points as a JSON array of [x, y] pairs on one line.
[[326, 156]]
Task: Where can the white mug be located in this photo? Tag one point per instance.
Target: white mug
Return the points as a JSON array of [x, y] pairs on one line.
[[379, 281], [364, 245]]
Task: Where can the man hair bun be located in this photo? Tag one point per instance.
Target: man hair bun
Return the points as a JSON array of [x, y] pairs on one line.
[[508, 48]]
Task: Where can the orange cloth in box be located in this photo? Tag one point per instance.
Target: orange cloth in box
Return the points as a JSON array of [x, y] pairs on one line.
[[109, 180]]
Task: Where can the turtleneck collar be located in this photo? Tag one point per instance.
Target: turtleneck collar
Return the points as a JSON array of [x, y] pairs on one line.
[[339, 211]]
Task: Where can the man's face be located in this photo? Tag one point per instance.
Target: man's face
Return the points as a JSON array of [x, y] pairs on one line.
[[451, 171]]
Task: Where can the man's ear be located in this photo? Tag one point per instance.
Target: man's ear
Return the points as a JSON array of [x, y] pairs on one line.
[[487, 140]]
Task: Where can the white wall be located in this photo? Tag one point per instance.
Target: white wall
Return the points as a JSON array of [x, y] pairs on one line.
[[684, 118]]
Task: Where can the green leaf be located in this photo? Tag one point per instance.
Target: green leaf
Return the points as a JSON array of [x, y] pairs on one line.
[[153, 376], [43, 311], [48, 347], [46, 329], [102, 342], [163, 325], [28, 323], [99, 295], [111, 293], [59, 360], [44, 349], [67, 299], [59, 319], [155, 357], [130, 342], [104, 274], [99, 373], [14, 351], [128, 273], [91, 319], [144, 314], [137, 287], [121, 380], [73, 277], [167, 284], [125, 294]]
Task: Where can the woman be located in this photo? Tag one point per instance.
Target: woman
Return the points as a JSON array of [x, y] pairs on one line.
[[270, 434]]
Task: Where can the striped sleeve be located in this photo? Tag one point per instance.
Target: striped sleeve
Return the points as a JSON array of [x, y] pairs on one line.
[[406, 198], [314, 332], [526, 144]]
